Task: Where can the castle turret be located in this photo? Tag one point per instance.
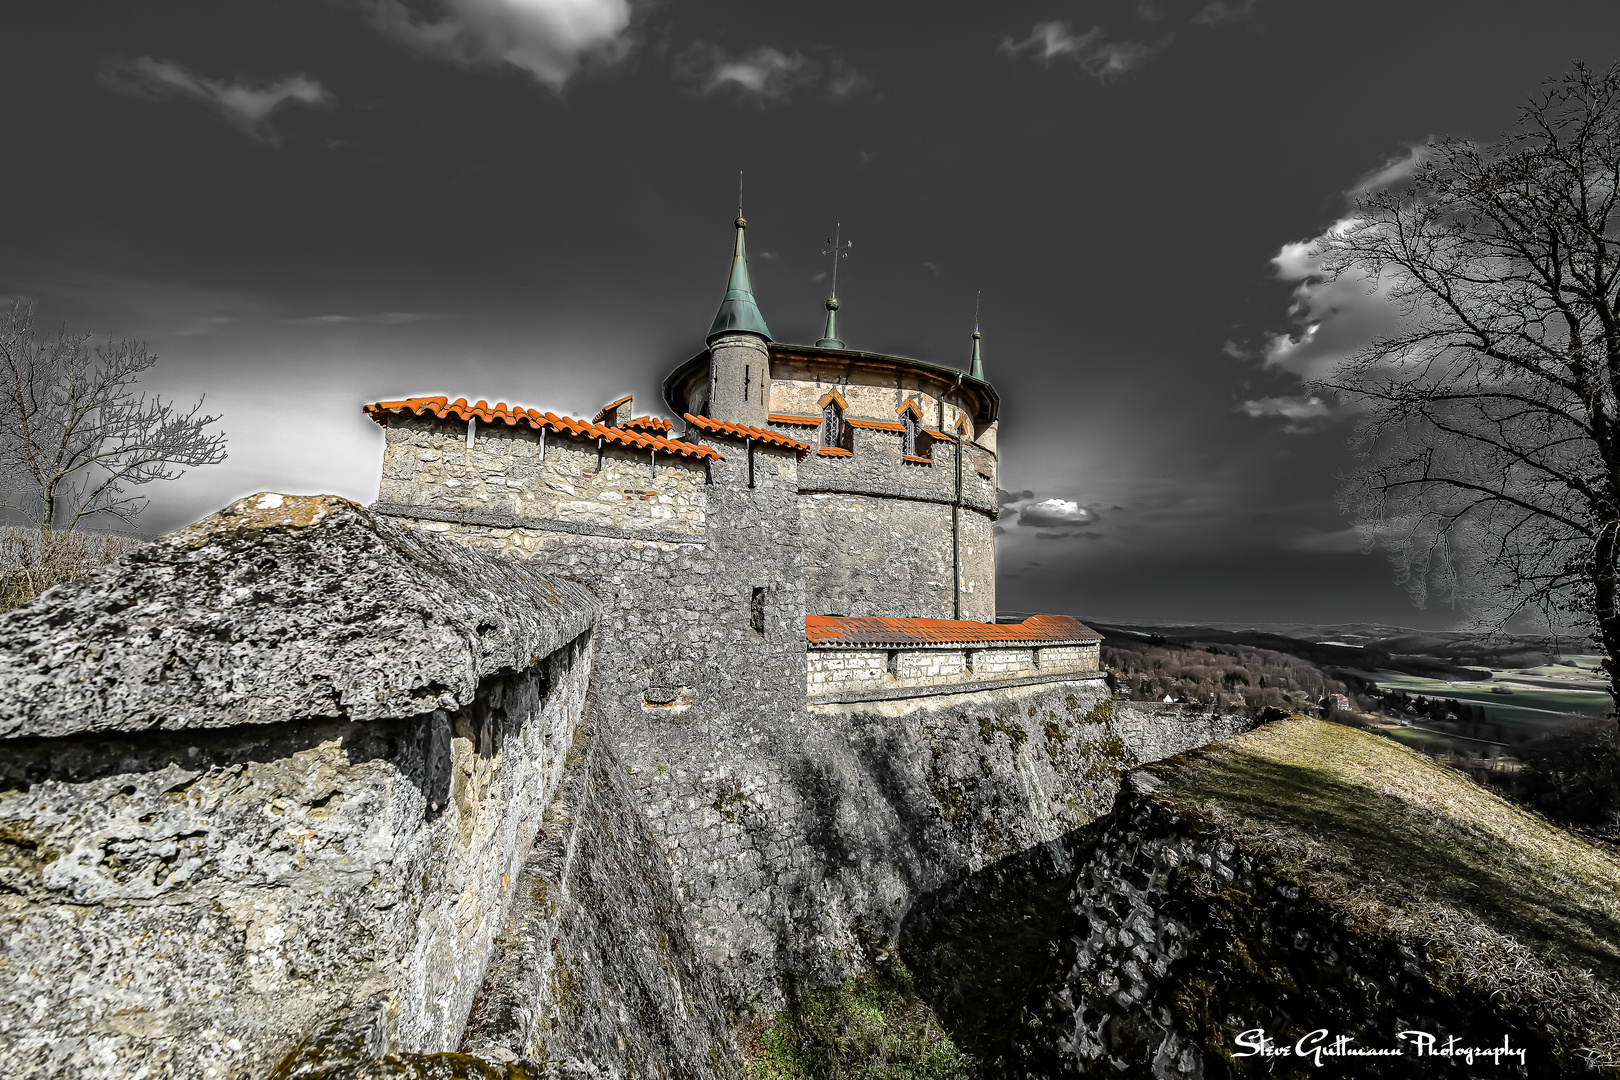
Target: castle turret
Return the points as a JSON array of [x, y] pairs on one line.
[[739, 359]]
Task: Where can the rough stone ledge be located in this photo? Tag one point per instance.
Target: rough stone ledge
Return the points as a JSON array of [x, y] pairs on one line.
[[900, 692], [498, 520], [278, 608], [820, 486]]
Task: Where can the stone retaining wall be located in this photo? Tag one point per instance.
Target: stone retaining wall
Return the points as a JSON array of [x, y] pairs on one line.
[[840, 671]]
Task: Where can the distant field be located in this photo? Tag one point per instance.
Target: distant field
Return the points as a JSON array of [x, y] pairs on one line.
[[1546, 692]]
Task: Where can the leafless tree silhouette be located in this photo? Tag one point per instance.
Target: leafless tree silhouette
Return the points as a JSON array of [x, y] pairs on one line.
[[76, 433], [1490, 444]]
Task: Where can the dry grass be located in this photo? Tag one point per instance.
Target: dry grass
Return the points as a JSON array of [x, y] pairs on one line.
[[32, 561], [1505, 902]]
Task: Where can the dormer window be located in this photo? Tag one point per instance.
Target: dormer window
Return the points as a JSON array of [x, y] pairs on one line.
[[832, 424], [835, 433], [915, 443]]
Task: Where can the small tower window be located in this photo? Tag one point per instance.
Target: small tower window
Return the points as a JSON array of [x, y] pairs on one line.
[[832, 424], [908, 438]]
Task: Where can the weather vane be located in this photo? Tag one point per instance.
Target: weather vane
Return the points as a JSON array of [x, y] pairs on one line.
[[838, 248]]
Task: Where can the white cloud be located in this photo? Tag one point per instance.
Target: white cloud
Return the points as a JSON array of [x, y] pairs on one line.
[[1097, 56], [1392, 171], [1304, 414], [548, 39], [763, 73], [247, 105], [1050, 512], [1334, 318]]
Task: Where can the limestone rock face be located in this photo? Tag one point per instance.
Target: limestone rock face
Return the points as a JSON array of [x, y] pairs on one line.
[[278, 607]]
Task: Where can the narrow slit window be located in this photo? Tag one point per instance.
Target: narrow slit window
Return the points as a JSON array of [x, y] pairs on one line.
[[756, 611]]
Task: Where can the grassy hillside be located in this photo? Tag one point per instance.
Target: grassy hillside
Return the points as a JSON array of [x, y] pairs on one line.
[[1510, 906]]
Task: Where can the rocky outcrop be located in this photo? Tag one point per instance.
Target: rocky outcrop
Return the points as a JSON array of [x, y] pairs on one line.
[[1308, 896], [281, 768]]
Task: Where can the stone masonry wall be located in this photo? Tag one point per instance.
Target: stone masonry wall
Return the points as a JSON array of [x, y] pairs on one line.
[[833, 671], [701, 667], [204, 862], [797, 387], [427, 463], [867, 555], [596, 972]]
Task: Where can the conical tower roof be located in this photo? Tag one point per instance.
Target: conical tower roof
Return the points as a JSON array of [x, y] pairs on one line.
[[977, 368], [738, 311]]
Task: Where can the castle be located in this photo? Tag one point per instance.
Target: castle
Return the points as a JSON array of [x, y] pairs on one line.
[[850, 497], [816, 528]]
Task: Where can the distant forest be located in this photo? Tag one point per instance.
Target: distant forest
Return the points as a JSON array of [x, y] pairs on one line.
[[1227, 675]]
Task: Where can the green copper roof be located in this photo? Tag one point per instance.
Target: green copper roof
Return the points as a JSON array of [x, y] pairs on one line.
[[977, 370], [738, 311], [829, 339]]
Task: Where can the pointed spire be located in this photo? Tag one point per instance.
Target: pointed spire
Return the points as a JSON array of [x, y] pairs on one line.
[[738, 311], [829, 338], [976, 370]]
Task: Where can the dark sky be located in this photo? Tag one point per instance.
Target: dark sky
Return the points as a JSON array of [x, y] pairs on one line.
[[306, 206]]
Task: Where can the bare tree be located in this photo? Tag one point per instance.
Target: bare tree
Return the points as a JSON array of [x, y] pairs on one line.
[[75, 432], [1490, 440]]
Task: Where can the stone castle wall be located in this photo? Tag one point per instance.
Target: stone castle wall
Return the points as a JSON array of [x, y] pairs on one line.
[[799, 384], [877, 672], [228, 813], [512, 474]]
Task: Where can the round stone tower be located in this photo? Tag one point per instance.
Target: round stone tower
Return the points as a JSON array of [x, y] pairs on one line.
[[897, 505]]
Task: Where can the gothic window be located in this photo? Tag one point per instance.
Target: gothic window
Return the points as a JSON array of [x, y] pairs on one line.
[[832, 424], [908, 439]]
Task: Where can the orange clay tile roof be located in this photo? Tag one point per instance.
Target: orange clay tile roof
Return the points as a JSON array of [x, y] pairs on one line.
[[513, 416], [911, 407], [839, 630], [875, 425], [915, 460], [835, 451], [607, 410], [794, 421], [833, 395], [649, 423], [939, 435], [743, 431]]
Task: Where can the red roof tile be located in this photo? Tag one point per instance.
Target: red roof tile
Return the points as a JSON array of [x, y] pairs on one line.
[[794, 421], [940, 435], [876, 425], [743, 431], [444, 407], [649, 423], [835, 451], [836, 630], [915, 460]]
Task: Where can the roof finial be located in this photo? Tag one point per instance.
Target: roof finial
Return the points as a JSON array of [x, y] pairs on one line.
[[739, 311], [840, 252], [976, 369]]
